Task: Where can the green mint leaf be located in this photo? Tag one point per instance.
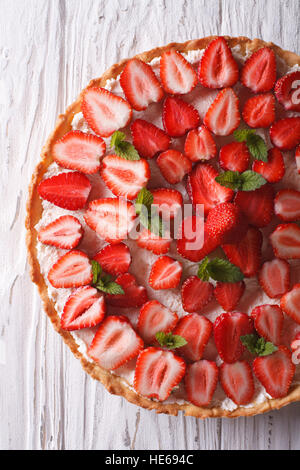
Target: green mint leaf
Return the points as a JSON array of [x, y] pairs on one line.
[[241, 135], [203, 273], [110, 287], [144, 198], [230, 179], [251, 180], [127, 151], [96, 270], [156, 225], [149, 217], [169, 340], [222, 270], [268, 349], [257, 147], [258, 345], [250, 342], [117, 138]]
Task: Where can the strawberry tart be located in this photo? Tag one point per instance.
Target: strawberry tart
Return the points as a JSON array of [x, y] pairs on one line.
[[162, 228]]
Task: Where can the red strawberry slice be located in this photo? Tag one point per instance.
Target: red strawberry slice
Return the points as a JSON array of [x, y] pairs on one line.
[[123, 177], [168, 202], [176, 73], [217, 68], [259, 110], [257, 206], [259, 71], [295, 347], [173, 165], [64, 232], [67, 190], [196, 294], [237, 382], [200, 145], [226, 223], [111, 218], [157, 372], [84, 308], [203, 188], [71, 270], [234, 157], [287, 205], [247, 253], [290, 303], [148, 139], [297, 158], [114, 259], [285, 133], [287, 91], [273, 170], [115, 343], [228, 294], [285, 241], [193, 240], [274, 277], [275, 372], [155, 317], [80, 151], [201, 380], [268, 322], [196, 330], [165, 273], [134, 295], [150, 241], [228, 328], [223, 115], [105, 112], [179, 117]]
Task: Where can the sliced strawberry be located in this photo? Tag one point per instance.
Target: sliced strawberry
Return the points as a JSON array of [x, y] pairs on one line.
[[226, 223], [134, 295], [297, 158], [285, 241], [111, 218], [80, 151], [258, 205], [273, 170], [201, 380], [105, 112], [290, 303], [173, 165], [179, 117], [123, 177], [176, 73], [64, 232], [287, 205], [285, 133], [234, 157], [223, 115], [155, 317], [274, 277], [114, 259], [167, 201], [268, 322], [196, 330], [287, 91], [67, 190], [237, 382], [84, 308], [148, 139], [217, 68], [275, 372], [200, 145], [259, 110], [228, 294], [203, 188], [157, 372], [193, 240], [71, 270], [165, 273], [150, 241], [115, 343], [259, 71], [196, 294], [228, 328]]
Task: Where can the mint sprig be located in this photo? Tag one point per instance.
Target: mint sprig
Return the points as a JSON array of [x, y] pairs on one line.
[[258, 345], [220, 270], [148, 215], [123, 148], [104, 282], [170, 341], [247, 181], [255, 143]]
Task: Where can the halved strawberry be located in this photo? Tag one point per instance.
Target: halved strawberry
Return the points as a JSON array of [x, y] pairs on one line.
[[123, 177], [268, 322], [287, 205], [196, 294], [111, 218], [155, 317], [285, 241], [287, 91], [150, 241], [228, 294], [148, 139], [275, 372], [80, 151], [67, 190], [134, 295], [84, 308], [273, 170], [196, 330], [114, 259], [259, 110], [258, 205], [64, 232], [105, 112], [274, 277], [285, 133], [173, 165], [165, 273], [200, 145], [176, 73], [193, 240], [179, 117], [234, 157], [157, 372], [237, 382], [297, 158], [167, 201], [228, 329], [201, 380], [259, 71], [226, 223], [290, 303], [217, 68], [223, 115], [115, 343], [71, 270]]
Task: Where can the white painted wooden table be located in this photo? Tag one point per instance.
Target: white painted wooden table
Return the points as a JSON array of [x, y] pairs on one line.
[[49, 50]]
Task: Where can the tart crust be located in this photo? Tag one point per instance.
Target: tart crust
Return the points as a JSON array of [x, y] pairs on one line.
[[115, 384]]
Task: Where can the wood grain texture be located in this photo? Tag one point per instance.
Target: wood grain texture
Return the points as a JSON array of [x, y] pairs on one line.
[[49, 50]]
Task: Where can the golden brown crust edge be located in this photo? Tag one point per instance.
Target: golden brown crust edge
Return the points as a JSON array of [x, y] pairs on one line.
[[114, 384]]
